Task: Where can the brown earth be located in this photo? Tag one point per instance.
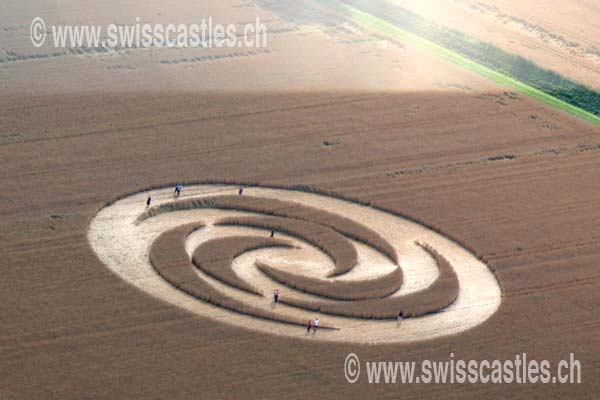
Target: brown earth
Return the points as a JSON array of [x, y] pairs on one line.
[[520, 194]]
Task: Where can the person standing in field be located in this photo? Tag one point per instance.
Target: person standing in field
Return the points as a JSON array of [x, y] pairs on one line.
[[309, 325], [272, 232], [316, 324], [241, 191], [276, 295], [400, 317], [148, 201], [178, 190]]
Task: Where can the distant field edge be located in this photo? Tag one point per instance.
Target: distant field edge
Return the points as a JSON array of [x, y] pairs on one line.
[[457, 59]]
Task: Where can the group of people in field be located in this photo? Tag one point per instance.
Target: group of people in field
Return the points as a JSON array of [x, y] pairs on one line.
[[314, 325], [179, 188]]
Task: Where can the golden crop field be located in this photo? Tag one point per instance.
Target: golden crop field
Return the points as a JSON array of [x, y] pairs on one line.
[[343, 174]]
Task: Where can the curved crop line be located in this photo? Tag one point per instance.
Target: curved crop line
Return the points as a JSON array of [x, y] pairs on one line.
[[336, 246], [123, 221], [306, 188], [337, 290], [439, 295], [278, 208], [170, 260], [303, 188], [215, 257]]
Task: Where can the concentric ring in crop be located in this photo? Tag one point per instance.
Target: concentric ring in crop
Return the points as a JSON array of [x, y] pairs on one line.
[[221, 255]]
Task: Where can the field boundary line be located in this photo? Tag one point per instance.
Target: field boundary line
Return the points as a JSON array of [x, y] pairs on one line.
[[388, 28]]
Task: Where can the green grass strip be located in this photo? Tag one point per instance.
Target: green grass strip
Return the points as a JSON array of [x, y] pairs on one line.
[[394, 31]]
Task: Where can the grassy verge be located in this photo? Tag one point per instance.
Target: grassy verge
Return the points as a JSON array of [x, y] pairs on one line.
[[462, 61]]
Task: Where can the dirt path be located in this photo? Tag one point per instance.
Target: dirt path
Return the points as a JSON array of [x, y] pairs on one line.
[[124, 247]]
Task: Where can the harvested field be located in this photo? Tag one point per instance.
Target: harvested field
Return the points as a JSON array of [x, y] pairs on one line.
[[548, 33]]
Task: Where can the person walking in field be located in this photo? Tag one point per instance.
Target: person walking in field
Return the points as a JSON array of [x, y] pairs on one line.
[[148, 201], [400, 317], [276, 295], [178, 190], [241, 191], [309, 325], [316, 324], [272, 232]]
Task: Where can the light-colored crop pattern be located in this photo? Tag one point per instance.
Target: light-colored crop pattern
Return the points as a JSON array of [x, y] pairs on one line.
[[213, 255]]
